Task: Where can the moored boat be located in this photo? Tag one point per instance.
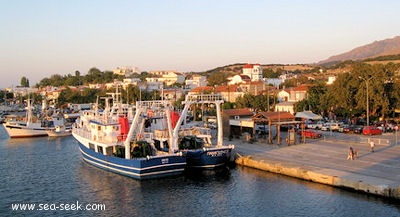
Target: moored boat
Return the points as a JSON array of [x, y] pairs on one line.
[[28, 126], [110, 142], [60, 131], [196, 142]]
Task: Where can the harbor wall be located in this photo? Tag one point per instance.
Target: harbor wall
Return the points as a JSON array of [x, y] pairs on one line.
[[336, 178]]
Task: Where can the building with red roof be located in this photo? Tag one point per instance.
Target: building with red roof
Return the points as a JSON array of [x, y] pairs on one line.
[[253, 71]]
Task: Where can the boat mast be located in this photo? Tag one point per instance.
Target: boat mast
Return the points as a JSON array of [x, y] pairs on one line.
[[190, 99], [28, 112]]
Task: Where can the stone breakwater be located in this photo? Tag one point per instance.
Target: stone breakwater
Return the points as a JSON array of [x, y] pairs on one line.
[[325, 162]]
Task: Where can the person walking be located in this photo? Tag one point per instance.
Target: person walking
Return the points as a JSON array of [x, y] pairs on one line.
[[350, 154], [372, 146]]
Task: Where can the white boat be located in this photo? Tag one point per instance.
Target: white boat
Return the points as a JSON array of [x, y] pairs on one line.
[[18, 127], [116, 143], [60, 131]]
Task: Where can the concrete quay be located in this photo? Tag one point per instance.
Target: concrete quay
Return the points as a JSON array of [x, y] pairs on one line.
[[325, 161]]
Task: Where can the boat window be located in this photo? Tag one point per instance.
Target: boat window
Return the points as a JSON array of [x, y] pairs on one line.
[[100, 149], [109, 151], [91, 146]]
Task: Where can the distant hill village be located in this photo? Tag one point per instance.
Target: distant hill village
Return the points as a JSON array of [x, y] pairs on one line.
[[250, 81]]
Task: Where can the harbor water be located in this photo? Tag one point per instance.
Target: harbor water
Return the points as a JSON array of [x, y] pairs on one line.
[[50, 174]]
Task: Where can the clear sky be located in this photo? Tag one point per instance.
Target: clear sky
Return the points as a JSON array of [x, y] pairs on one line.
[[39, 38]]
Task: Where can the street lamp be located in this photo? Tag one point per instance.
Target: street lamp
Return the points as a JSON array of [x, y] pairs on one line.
[[366, 84]]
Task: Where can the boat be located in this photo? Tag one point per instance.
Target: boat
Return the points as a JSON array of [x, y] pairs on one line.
[[60, 131], [196, 142], [114, 142], [64, 127], [28, 126]]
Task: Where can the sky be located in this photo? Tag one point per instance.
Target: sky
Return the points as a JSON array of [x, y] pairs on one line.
[[41, 38]]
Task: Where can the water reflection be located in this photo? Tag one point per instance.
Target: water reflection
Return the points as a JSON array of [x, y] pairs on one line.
[[52, 170]]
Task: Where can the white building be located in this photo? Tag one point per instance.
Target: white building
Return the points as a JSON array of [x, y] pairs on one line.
[[168, 78], [238, 79], [125, 71], [254, 71], [196, 81], [331, 79], [283, 96]]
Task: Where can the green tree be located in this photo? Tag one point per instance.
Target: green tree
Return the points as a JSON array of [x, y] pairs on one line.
[[24, 82], [313, 101], [217, 78]]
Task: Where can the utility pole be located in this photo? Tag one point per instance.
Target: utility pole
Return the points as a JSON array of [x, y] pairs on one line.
[[366, 84]]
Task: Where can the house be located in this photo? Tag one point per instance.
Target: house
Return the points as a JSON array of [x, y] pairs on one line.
[[194, 81], [173, 77], [238, 79], [254, 87], [125, 71], [285, 106], [229, 92], [238, 120], [331, 79], [283, 95], [167, 77], [287, 101], [253, 71], [298, 93], [172, 94]]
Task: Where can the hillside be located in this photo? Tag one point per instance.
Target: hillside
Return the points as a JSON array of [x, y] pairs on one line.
[[378, 48]]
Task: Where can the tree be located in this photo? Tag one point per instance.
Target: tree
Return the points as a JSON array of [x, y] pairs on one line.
[[24, 82], [217, 78], [313, 101], [259, 102]]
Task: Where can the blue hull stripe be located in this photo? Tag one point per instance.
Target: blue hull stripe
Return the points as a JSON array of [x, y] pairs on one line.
[[128, 167], [133, 174], [147, 172]]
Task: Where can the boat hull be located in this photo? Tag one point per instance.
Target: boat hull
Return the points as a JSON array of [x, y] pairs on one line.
[[18, 131], [53, 133], [208, 158], [138, 168]]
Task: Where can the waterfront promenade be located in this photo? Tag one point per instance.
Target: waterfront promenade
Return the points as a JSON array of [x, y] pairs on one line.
[[325, 161]]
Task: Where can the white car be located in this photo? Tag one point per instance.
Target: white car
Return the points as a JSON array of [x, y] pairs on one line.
[[331, 126]]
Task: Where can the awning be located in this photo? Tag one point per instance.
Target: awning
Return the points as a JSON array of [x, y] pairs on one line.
[[308, 115]]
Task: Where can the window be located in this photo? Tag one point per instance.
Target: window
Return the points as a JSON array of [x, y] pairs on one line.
[[100, 149], [91, 146], [109, 151]]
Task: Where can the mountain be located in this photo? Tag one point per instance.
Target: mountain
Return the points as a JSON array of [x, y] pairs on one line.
[[385, 47]]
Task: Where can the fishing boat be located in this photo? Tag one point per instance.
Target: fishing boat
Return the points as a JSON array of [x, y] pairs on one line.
[[28, 126], [196, 142], [117, 143]]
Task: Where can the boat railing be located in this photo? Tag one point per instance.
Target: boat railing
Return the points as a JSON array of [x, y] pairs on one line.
[[144, 136], [99, 138], [203, 98], [195, 131], [154, 104]]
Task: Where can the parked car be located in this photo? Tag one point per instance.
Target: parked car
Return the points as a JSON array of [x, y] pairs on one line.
[[358, 129], [371, 130], [315, 125], [309, 134], [343, 128], [348, 129]]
